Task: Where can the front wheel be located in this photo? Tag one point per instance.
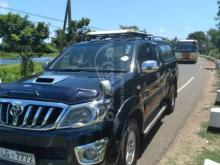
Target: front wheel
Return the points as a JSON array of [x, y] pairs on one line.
[[171, 101], [130, 144]]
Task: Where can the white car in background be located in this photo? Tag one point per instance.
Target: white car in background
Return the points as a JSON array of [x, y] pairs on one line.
[[187, 51]]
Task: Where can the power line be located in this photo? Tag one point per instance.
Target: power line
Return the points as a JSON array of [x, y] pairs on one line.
[[58, 27], [33, 14], [45, 17]]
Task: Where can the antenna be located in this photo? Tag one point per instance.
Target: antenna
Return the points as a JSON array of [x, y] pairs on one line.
[[68, 15]]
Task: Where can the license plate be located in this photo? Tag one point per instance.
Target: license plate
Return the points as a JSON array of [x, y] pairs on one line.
[[186, 56], [17, 157]]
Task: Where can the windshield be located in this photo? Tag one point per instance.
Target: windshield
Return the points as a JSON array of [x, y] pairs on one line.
[[101, 56], [187, 47]]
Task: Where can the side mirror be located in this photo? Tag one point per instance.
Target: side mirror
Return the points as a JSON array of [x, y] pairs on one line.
[[106, 88], [150, 66], [45, 65]]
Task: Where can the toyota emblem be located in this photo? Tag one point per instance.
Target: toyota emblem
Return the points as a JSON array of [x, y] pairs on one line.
[[16, 110]]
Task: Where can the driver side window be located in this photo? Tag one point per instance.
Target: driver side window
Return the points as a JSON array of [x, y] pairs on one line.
[[147, 52]]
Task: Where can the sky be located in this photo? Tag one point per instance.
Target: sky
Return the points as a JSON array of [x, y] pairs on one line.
[[169, 18]]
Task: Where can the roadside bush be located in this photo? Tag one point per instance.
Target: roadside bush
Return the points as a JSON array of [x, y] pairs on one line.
[[215, 53]]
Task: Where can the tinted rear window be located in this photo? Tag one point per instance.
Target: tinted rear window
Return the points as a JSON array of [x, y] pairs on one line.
[[166, 52]]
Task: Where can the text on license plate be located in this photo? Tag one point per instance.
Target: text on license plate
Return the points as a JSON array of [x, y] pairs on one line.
[[17, 157], [185, 55]]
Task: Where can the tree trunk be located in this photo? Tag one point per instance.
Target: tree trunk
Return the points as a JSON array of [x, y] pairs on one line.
[[26, 67]]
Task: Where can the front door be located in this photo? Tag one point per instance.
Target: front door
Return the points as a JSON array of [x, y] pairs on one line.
[[151, 82]]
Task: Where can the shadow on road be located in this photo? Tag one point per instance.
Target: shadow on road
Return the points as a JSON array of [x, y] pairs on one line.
[[145, 141], [211, 69], [187, 62]]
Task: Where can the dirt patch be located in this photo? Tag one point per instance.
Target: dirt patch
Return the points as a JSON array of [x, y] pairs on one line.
[[187, 144]]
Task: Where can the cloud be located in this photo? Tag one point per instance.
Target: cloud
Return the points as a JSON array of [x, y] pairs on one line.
[[3, 4]]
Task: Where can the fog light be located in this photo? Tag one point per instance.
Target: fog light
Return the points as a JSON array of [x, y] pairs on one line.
[[92, 153]]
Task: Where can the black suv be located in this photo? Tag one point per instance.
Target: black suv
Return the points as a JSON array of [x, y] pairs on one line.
[[92, 104]]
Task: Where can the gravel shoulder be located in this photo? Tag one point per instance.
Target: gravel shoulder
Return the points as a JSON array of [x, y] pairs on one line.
[[188, 145]]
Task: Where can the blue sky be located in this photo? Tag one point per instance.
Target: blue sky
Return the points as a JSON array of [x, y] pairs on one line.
[[168, 18]]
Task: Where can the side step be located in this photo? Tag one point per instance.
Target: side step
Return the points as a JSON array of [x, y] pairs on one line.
[[155, 119]]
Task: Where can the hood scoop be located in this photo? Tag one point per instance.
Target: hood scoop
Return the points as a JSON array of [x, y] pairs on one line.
[[49, 79], [45, 80]]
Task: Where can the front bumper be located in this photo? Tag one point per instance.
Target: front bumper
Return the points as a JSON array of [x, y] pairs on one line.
[[186, 60], [186, 57], [51, 147]]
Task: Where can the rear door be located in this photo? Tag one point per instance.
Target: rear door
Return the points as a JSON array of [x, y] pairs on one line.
[[168, 68]]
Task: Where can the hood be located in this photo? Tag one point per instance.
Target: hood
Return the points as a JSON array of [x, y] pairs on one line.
[[57, 87]]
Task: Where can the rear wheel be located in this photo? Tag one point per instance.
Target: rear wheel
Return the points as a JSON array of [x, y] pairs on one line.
[[130, 144], [171, 101]]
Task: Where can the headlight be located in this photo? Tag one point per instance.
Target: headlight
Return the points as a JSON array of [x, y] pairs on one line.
[[83, 115]]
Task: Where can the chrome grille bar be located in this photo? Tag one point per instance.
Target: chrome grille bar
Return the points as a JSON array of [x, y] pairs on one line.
[[39, 110], [1, 111], [36, 115], [27, 115], [7, 113], [47, 117]]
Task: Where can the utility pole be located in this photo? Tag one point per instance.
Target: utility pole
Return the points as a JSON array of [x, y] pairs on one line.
[[68, 15]]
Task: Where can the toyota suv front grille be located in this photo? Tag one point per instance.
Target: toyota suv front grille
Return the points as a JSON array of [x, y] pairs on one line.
[[30, 114]]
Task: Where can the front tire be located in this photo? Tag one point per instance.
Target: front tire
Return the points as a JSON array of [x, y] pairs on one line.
[[171, 101], [130, 144]]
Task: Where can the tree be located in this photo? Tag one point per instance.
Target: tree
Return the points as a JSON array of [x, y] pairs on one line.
[[24, 37], [75, 33], [202, 40], [213, 36], [218, 14], [134, 27], [129, 27], [174, 42]]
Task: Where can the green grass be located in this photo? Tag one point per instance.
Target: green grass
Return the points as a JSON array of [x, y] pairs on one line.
[[10, 73], [5, 55], [211, 137], [213, 155], [216, 83], [8, 55], [214, 140]]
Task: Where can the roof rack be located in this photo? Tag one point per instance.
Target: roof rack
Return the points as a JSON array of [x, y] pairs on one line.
[[117, 34], [127, 33], [158, 38], [188, 40]]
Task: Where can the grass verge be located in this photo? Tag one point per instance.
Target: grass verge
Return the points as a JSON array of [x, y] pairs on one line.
[[204, 133], [10, 73], [4, 55], [212, 150]]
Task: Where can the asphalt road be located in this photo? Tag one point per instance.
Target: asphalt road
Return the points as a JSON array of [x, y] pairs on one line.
[[192, 80]]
